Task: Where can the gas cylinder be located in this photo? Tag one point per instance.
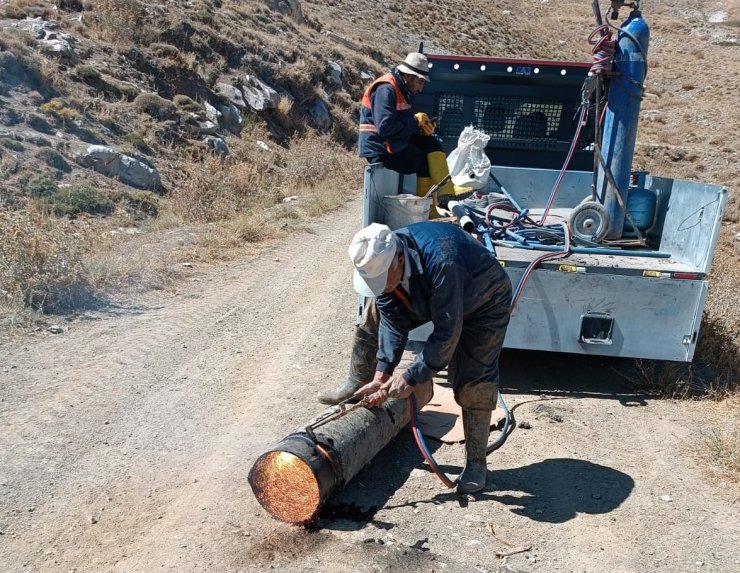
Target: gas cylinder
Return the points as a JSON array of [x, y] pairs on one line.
[[641, 204], [622, 113]]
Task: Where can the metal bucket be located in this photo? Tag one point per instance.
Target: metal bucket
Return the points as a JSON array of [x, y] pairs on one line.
[[404, 209]]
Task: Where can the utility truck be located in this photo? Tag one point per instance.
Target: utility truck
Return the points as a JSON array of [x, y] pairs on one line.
[[609, 261]]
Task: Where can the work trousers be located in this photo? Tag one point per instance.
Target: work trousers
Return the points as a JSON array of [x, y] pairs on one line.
[[473, 371], [413, 158]]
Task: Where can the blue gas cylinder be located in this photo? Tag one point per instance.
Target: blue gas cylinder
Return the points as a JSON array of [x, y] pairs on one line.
[[641, 204]]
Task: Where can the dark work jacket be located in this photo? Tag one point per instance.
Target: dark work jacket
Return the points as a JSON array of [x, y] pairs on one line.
[[452, 277], [386, 120]]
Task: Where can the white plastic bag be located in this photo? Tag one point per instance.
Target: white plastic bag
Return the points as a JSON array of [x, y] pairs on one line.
[[468, 164]]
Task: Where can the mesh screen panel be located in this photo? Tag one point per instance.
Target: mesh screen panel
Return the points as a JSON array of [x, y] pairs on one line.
[[448, 109], [519, 121]]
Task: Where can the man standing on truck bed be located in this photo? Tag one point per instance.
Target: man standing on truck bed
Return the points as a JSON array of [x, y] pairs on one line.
[[392, 135], [437, 272]]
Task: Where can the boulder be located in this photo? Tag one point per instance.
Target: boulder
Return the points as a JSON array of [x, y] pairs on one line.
[[115, 164], [334, 70], [342, 40], [216, 145], [231, 119], [230, 93], [50, 38], [259, 95], [290, 8], [212, 114], [197, 124], [320, 115]]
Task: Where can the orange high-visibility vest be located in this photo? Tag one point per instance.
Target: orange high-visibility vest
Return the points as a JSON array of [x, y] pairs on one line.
[[370, 143]]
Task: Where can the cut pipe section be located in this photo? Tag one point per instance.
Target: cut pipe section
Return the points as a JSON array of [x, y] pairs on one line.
[[293, 480]]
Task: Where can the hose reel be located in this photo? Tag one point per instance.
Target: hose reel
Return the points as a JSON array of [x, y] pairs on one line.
[[589, 221]]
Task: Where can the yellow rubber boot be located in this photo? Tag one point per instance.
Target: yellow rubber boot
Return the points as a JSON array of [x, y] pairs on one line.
[[437, 162], [423, 184]]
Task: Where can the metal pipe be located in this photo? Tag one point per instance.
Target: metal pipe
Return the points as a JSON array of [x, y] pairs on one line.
[[466, 223], [588, 250], [294, 479]]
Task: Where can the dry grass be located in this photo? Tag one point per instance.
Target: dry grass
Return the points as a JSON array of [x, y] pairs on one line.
[[718, 446], [232, 203], [714, 372], [122, 22], [243, 197], [20, 9], [41, 264], [720, 451], [125, 263], [60, 110]]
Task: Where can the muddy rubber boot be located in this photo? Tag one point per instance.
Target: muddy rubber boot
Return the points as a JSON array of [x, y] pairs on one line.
[[361, 368], [477, 425]]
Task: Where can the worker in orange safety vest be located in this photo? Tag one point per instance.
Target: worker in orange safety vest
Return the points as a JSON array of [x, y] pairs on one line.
[[391, 134]]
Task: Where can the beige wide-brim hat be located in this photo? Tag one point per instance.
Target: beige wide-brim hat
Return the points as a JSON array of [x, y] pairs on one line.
[[415, 64], [372, 251]]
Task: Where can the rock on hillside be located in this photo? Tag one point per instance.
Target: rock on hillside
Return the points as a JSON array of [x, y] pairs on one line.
[[154, 83], [162, 82]]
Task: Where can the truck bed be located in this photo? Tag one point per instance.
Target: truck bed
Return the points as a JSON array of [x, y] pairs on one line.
[[645, 305]]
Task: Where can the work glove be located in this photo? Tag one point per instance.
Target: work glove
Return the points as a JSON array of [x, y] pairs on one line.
[[426, 125]]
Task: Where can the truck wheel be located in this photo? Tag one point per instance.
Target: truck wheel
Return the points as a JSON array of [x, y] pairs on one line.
[[589, 221]]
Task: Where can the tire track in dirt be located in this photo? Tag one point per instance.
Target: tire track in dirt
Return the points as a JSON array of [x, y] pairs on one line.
[[171, 404]]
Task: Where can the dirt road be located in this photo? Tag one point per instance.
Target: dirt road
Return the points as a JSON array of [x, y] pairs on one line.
[[125, 442]]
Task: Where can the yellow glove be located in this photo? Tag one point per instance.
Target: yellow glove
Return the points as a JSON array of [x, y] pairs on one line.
[[426, 125]]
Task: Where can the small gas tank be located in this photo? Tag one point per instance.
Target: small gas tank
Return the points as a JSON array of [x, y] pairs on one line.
[[641, 204]]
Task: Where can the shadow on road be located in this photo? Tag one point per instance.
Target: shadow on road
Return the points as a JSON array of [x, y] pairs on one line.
[[571, 375], [553, 490]]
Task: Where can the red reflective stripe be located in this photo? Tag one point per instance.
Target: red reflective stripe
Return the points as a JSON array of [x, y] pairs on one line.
[[368, 127], [402, 296]]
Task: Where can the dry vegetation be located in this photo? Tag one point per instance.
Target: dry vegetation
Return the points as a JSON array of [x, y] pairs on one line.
[[78, 237]]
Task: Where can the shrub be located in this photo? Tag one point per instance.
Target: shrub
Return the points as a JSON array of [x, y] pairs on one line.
[[88, 135], [41, 266], [141, 204], [38, 184], [185, 103], [53, 159], [59, 109], [87, 74], [70, 5], [137, 140], [38, 140], [205, 17], [39, 123], [11, 144], [165, 50], [20, 9], [155, 106], [74, 200]]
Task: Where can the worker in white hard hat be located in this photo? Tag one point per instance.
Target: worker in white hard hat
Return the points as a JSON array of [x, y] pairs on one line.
[[437, 272]]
